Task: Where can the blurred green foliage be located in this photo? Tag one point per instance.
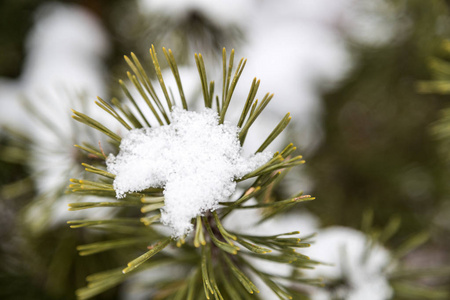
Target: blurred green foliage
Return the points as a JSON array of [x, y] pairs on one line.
[[377, 150]]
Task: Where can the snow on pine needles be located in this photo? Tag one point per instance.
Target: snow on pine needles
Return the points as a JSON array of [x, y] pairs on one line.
[[195, 159]]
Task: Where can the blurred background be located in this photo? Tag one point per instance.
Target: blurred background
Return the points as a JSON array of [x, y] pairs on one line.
[[346, 70]]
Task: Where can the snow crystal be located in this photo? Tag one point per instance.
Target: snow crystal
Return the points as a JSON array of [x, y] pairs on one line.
[[195, 159]]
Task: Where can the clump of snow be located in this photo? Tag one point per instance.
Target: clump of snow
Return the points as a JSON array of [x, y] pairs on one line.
[[345, 249], [195, 159]]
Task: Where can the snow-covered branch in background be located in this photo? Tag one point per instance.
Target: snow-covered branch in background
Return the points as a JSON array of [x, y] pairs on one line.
[[63, 70]]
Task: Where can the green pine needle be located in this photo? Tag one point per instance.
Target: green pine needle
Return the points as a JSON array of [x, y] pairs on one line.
[[213, 255]]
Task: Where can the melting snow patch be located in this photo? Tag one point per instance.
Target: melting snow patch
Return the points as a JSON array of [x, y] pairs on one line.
[[195, 159]]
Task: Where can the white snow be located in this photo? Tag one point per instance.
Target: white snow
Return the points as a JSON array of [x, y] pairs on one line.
[[299, 49], [63, 70], [344, 248], [65, 49], [195, 159]]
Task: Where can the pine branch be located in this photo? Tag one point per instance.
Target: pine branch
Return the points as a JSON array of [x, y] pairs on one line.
[[216, 258]]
